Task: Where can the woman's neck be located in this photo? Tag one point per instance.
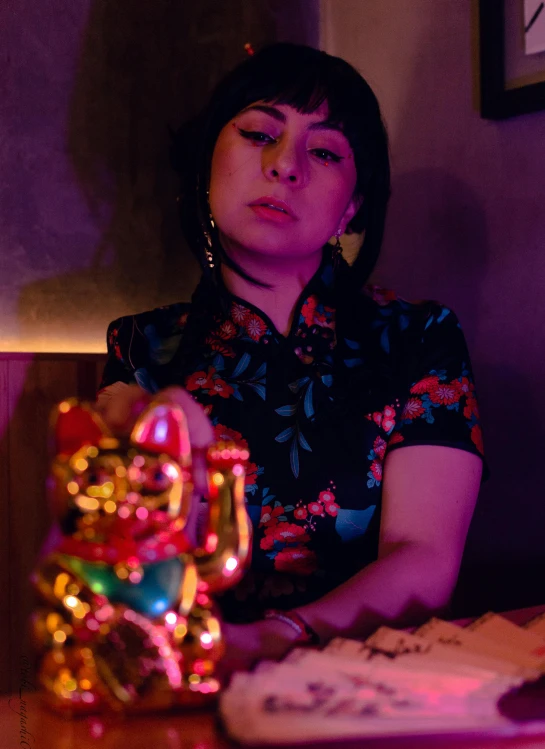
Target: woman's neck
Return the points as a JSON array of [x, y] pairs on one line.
[[286, 278]]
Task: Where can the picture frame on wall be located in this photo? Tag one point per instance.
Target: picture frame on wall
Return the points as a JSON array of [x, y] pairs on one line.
[[511, 57]]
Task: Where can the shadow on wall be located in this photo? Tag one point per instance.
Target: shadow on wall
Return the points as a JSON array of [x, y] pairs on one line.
[[144, 67]]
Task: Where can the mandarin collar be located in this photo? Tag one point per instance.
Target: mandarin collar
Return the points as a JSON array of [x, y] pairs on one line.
[[315, 308]]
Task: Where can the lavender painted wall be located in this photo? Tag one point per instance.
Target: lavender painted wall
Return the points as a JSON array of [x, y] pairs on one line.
[[467, 226], [88, 88]]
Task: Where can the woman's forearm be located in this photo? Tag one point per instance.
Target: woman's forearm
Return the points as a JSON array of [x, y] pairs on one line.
[[404, 586]]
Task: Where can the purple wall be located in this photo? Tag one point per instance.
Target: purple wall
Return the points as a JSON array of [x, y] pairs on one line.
[[467, 226], [88, 221]]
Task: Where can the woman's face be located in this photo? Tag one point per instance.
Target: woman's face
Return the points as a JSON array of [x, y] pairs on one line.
[[282, 182]]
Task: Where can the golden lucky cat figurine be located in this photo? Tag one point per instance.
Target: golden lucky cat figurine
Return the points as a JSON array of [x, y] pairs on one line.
[[125, 618]]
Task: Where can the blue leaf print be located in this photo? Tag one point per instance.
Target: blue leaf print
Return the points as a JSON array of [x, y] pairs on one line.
[[218, 363], [308, 405], [351, 524], [282, 518], [265, 491], [251, 489], [304, 444], [294, 458], [254, 511], [237, 394], [328, 380], [285, 435], [242, 365], [430, 320], [385, 341], [355, 362], [289, 508], [352, 344], [277, 504], [403, 322], [371, 482], [298, 384], [286, 410], [385, 311], [445, 312], [259, 389], [261, 371], [146, 382], [271, 554]]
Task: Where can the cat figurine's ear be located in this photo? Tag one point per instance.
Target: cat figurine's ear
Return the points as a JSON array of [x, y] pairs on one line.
[[76, 424], [162, 428]]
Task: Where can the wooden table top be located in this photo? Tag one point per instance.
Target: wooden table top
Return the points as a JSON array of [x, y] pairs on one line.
[[30, 726]]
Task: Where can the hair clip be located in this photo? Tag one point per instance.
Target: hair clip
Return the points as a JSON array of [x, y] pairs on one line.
[[249, 49]]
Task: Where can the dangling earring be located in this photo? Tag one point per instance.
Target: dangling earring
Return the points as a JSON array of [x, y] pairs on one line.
[[208, 251], [337, 249]]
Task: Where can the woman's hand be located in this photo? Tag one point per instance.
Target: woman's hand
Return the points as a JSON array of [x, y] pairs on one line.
[[246, 644], [121, 404]]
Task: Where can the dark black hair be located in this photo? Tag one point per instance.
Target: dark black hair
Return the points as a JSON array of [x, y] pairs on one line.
[[304, 78]]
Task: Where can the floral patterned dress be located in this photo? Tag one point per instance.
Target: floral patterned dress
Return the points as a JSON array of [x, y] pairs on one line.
[[357, 376]]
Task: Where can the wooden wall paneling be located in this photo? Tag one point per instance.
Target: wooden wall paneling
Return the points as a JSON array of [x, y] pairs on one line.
[[34, 387], [5, 509]]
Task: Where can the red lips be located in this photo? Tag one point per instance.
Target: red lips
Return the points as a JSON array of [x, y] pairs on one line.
[[268, 201]]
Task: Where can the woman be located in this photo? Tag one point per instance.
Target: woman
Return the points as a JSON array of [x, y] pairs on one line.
[[358, 408]]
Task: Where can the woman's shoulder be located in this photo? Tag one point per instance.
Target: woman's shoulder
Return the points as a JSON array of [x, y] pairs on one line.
[[148, 338], [168, 320]]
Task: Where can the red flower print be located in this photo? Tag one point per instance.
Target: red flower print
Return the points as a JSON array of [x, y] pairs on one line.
[[224, 434], [376, 470], [221, 388], [395, 439], [308, 309], [444, 394], [379, 446], [288, 533], [471, 408], [239, 313], [227, 330], [297, 560], [255, 327], [412, 409], [117, 351], [269, 515], [316, 508], [332, 508], [182, 320], [251, 474], [425, 384], [477, 437], [388, 418], [377, 417], [464, 385], [208, 409], [199, 380], [266, 543], [326, 497], [222, 348], [381, 296], [300, 513]]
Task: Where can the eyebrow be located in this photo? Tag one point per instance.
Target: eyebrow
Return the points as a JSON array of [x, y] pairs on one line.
[[276, 114]]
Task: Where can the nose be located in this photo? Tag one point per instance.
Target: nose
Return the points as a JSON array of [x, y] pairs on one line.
[[282, 163]]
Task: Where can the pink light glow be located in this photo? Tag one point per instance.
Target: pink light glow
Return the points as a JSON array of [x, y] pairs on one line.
[[171, 618], [206, 640], [238, 469]]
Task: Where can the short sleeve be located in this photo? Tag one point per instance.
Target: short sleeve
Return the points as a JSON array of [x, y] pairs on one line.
[[141, 347], [439, 402]]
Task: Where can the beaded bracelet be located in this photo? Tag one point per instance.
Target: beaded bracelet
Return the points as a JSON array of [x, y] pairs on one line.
[[305, 634]]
